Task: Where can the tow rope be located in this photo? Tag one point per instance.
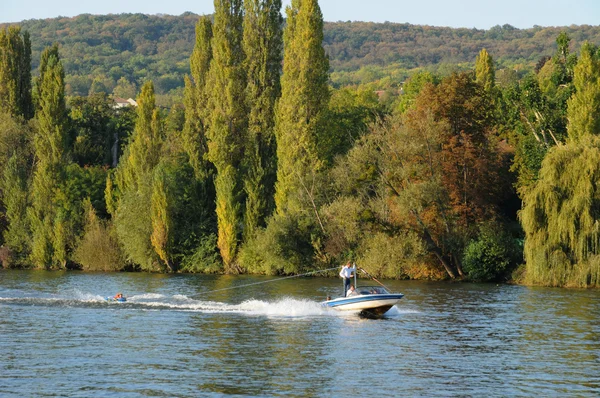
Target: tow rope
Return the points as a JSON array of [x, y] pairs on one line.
[[260, 283]]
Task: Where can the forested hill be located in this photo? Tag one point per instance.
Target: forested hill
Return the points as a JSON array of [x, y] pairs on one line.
[[353, 45], [99, 50]]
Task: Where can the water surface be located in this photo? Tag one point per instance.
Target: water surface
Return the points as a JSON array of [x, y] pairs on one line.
[[190, 335]]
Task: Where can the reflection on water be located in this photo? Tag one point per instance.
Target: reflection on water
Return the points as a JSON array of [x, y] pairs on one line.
[[177, 336]]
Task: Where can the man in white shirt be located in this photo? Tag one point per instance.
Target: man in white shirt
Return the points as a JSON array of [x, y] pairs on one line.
[[346, 274]]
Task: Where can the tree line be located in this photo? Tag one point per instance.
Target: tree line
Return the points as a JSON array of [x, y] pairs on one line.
[[265, 168]]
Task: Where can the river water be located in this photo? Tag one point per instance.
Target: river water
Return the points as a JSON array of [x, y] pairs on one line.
[[177, 336]]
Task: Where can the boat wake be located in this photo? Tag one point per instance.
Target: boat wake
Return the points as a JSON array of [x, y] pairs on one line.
[[284, 307], [287, 306], [395, 312]]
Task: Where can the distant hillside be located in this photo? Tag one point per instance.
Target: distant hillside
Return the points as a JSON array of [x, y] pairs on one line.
[[98, 50], [355, 44]]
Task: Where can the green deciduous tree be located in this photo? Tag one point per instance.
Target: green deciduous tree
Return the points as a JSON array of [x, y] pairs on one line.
[[535, 111], [304, 98], [283, 247], [15, 197], [132, 202], [491, 254], [349, 115], [187, 222], [485, 73], [163, 213], [98, 249], [143, 152], [15, 72], [563, 61], [411, 88], [196, 100], [263, 46], [48, 221], [560, 217], [194, 235], [302, 136], [584, 105], [93, 127], [523, 111], [133, 225], [162, 218], [227, 124], [16, 164]]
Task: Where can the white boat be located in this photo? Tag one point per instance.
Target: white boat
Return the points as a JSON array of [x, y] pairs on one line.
[[369, 301]]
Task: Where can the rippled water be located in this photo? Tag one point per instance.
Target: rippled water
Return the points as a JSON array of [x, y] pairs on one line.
[[174, 338]]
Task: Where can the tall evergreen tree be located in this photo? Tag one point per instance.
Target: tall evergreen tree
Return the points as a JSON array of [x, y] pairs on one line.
[[304, 98], [196, 97], [227, 124], [263, 46], [47, 220], [15, 72], [584, 105], [484, 70]]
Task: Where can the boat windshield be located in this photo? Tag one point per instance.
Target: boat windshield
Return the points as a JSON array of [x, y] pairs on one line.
[[372, 290]]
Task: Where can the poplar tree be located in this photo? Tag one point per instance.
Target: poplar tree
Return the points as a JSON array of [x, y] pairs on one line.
[[134, 212], [25, 95], [196, 98], [484, 70], [584, 106], [14, 180], [162, 224], [227, 124], [50, 52], [304, 98], [143, 153], [46, 213], [15, 72], [263, 47]]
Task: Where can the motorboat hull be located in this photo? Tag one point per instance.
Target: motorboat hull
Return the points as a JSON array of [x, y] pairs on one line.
[[367, 304]]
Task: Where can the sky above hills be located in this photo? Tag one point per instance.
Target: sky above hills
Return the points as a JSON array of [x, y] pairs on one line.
[[481, 14]]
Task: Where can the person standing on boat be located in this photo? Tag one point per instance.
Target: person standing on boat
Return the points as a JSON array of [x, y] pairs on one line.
[[346, 274]]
